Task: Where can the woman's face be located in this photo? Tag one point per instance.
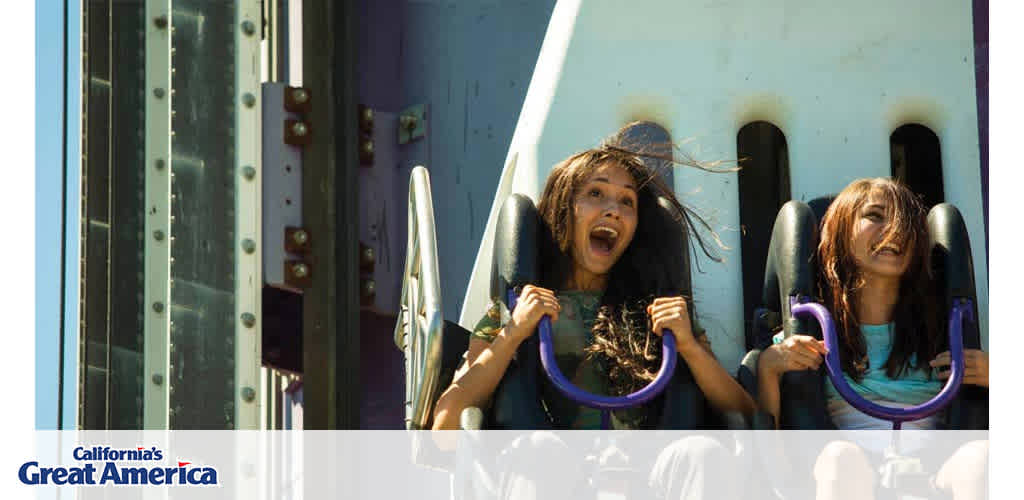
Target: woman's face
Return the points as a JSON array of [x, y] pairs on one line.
[[868, 233], [605, 218]]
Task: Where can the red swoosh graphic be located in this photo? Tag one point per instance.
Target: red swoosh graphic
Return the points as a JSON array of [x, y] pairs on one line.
[[182, 464]]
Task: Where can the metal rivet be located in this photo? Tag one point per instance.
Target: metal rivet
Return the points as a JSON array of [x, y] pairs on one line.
[[248, 245], [160, 22], [369, 288], [368, 146], [300, 96], [300, 237], [248, 319], [248, 394], [300, 270], [368, 255], [160, 164], [368, 114], [158, 92], [248, 99], [300, 129], [249, 172], [158, 379], [158, 307], [158, 235], [248, 28]]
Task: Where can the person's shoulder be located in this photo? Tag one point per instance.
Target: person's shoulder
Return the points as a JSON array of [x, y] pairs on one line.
[[489, 325]]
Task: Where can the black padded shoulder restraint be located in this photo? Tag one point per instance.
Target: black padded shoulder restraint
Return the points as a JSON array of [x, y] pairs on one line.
[[790, 272], [517, 238], [953, 268]]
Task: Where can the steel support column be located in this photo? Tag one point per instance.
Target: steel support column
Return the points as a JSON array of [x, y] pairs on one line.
[[330, 212]]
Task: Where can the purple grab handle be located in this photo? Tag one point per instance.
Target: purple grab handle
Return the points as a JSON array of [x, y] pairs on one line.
[[962, 309], [649, 392]]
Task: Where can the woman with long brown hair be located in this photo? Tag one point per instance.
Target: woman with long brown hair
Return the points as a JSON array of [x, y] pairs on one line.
[[597, 287], [874, 277]]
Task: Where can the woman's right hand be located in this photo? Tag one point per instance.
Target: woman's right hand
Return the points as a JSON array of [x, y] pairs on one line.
[[532, 305], [797, 352]]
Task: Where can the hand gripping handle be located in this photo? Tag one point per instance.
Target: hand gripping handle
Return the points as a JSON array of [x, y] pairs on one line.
[[649, 392], [962, 309]]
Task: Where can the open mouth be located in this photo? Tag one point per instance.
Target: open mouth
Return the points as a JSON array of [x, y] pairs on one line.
[[602, 240], [890, 251]]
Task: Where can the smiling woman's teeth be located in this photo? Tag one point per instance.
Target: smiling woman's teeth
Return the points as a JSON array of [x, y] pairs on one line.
[[603, 238]]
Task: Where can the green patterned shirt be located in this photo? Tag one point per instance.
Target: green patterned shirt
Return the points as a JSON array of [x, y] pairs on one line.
[[571, 335]]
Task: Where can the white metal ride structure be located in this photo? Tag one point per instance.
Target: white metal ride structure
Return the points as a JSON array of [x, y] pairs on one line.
[[169, 170], [836, 78]]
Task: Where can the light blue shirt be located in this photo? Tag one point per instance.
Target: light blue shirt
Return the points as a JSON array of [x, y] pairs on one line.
[[913, 387]]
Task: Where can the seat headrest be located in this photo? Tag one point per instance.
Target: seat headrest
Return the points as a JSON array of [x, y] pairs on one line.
[[789, 269], [517, 238], [951, 251], [820, 205]]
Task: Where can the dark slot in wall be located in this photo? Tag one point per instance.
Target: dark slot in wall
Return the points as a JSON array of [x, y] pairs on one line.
[[917, 161], [763, 187]]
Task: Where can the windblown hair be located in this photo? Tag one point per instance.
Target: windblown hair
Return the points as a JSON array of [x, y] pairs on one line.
[[917, 329], [623, 342]]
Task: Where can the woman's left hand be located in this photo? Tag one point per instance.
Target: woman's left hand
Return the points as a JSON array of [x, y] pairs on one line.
[[975, 366], [672, 313]]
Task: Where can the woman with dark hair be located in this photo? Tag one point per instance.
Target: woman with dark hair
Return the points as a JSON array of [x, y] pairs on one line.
[[874, 276], [598, 285]]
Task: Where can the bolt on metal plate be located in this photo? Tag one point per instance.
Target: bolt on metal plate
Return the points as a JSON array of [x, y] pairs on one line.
[[297, 133], [366, 149], [248, 319], [365, 119], [298, 274], [367, 257], [367, 292], [298, 100], [248, 28], [412, 123], [296, 240]]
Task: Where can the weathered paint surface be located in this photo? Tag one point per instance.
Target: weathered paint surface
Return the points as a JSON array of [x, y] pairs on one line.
[[470, 64]]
